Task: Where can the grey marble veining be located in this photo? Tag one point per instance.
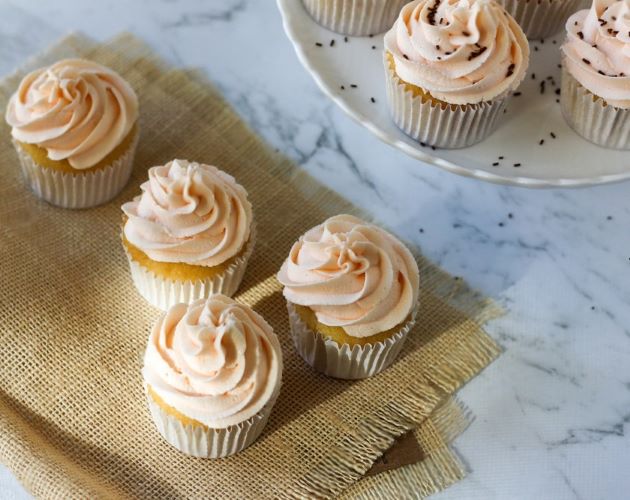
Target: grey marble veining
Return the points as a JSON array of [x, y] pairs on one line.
[[553, 413]]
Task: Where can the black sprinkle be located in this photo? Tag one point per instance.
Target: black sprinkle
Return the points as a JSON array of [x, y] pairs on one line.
[[353, 85], [553, 136], [535, 48], [439, 58], [343, 88], [516, 94], [477, 53], [510, 70], [423, 145], [421, 230], [610, 217], [517, 165], [437, 47], [542, 41], [580, 35], [495, 164], [371, 36], [594, 45], [501, 157], [559, 65], [433, 148], [533, 76], [542, 141], [586, 61], [465, 33], [553, 41], [318, 44], [332, 43], [345, 39], [557, 91], [601, 72], [542, 87], [557, 100], [405, 56], [373, 47], [510, 216], [372, 99], [501, 224]]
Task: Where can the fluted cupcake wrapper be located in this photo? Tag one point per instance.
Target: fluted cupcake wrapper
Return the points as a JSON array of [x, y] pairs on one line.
[[541, 18], [78, 190], [345, 361], [207, 442], [591, 117], [163, 293], [355, 17], [445, 126]]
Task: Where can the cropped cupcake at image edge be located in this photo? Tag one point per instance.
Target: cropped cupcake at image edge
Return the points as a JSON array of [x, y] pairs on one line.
[[541, 18], [352, 296], [75, 128], [450, 67], [212, 373], [595, 96], [354, 17], [188, 235]]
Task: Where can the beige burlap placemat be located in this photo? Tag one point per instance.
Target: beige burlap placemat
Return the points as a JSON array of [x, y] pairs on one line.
[[73, 421]]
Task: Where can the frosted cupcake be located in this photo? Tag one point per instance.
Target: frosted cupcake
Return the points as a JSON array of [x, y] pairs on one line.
[[74, 126], [354, 17], [188, 235], [450, 67], [595, 95], [352, 295], [212, 373], [541, 18]]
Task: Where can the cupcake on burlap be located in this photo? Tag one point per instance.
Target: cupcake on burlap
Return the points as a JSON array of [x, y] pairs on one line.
[[352, 296], [541, 18], [74, 127], [595, 96], [188, 235], [450, 67], [212, 373], [354, 17]]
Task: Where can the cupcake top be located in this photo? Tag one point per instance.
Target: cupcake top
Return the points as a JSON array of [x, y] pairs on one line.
[[459, 51], [215, 361], [189, 213], [597, 50], [76, 110], [352, 274]]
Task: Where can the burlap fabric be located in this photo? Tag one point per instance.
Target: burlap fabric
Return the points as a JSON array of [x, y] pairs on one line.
[[73, 420]]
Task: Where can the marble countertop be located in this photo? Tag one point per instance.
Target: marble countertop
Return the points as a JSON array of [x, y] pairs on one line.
[[553, 412]]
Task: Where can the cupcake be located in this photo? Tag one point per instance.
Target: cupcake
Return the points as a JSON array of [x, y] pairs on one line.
[[212, 373], [595, 96], [352, 295], [450, 67], [541, 18], [354, 17], [75, 129], [188, 235]]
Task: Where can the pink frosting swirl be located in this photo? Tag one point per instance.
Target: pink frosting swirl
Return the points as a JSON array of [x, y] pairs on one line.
[[215, 361], [191, 213], [597, 50], [75, 109], [460, 51], [352, 274]]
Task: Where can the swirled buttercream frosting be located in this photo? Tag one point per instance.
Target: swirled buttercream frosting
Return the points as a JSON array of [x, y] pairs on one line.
[[76, 110], [215, 361], [189, 213], [352, 274], [459, 51], [597, 50]]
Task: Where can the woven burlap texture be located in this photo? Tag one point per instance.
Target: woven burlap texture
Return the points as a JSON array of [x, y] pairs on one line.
[[73, 420]]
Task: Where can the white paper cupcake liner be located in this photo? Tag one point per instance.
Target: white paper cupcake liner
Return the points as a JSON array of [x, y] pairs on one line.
[[163, 293], [591, 117], [80, 190], [541, 18], [355, 17], [440, 125], [206, 442], [345, 361]]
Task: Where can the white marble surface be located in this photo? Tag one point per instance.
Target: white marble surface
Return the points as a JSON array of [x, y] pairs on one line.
[[553, 413]]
